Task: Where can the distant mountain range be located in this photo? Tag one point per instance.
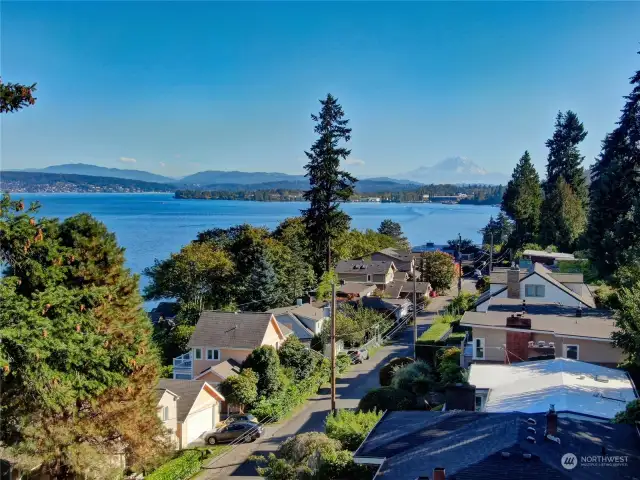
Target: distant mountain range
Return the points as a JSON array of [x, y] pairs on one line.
[[455, 170]]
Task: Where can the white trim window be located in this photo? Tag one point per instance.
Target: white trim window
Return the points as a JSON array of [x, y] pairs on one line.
[[165, 414], [197, 353], [479, 403], [572, 351], [534, 291], [478, 349], [213, 354]]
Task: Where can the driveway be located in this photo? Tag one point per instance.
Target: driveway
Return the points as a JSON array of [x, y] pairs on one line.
[[350, 388]]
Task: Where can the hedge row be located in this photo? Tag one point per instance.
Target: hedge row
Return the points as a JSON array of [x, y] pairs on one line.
[[435, 333], [180, 468]]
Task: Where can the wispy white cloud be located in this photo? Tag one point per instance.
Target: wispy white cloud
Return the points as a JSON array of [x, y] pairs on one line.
[[354, 161], [162, 164], [127, 160], [178, 155]]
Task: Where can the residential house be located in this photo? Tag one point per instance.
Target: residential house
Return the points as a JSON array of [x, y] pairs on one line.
[[546, 258], [225, 337], [378, 272], [167, 407], [463, 445], [311, 315], [192, 407], [577, 389], [502, 335], [404, 289], [164, 311], [291, 325], [537, 283], [396, 308], [404, 261], [354, 290]]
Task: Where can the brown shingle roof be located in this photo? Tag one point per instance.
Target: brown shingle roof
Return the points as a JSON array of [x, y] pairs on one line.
[[188, 391], [305, 310], [230, 330], [373, 267]]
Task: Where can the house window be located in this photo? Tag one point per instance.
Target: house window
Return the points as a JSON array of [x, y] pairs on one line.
[[572, 351], [478, 348], [213, 354], [534, 290], [198, 353], [479, 403], [368, 278], [165, 414]]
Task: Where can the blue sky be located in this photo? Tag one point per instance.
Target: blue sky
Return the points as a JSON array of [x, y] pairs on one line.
[[182, 87]]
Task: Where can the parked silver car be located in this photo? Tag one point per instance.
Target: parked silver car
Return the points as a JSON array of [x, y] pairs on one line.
[[249, 432]]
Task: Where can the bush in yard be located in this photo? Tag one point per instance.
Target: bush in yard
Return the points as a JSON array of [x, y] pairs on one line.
[[416, 378], [386, 398], [463, 302], [180, 468], [387, 372], [343, 362], [438, 269], [449, 367], [350, 427], [293, 354], [240, 390], [265, 363], [630, 415]]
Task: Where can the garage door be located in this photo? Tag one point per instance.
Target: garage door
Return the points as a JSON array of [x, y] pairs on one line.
[[198, 423]]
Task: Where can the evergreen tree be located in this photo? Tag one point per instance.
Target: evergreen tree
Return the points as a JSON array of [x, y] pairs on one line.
[[78, 370], [614, 216], [262, 286], [14, 96], [564, 161], [265, 364], [521, 201], [328, 184], [394, 230], [569, 221]]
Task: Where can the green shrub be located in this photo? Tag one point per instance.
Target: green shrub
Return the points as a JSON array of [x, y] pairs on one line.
[[182, 467], [350, 427], [387, 371], [415, 378], [462, 302], [435, 333], [449, 368], [343, 362], [386, 398], [630, 415]]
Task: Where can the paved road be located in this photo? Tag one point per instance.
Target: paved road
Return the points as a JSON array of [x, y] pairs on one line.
[[350, 388]]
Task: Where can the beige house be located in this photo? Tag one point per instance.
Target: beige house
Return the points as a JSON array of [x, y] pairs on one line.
[[554, 331], [188, 408], [378, 272], [221, 341], [404, 261]]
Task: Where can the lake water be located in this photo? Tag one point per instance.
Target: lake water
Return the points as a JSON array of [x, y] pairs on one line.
[[153, 226]]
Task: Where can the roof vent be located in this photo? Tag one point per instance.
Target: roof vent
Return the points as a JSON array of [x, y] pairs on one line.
[[531, 421], [553, 438], [602, 378], [531, 430], [506, 454], [526, 456], [531, 439]]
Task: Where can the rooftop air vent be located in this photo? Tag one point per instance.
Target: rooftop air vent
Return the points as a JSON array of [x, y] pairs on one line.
[[531, 439], [526, 456], [531, 430], [506, 454], [531, 421], [602, 378]]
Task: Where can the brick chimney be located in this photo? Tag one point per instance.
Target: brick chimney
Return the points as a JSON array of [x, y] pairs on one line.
[[552, 421], [518, 342], [439, 473], [513, 282]]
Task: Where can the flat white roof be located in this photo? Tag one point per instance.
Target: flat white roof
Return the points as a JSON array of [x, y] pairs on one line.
[[542, 253], [570, 385]]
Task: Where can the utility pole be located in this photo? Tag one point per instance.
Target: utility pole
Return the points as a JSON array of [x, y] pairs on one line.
[[333, 347], [415, 323], [459, 265], [491, 254]]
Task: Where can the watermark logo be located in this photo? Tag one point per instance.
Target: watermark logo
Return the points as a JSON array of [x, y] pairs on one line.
[[569, 461]]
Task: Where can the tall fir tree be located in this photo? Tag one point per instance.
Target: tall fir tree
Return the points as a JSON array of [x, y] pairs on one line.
[[564, 161], [570, 219], [262, 286], [614, 216], [78, 370], [521, 202], [328, 184]]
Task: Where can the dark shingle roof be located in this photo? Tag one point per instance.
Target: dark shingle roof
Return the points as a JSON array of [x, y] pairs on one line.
[[230, 330], [469, 446], [395, 288], [373, 267], [187, 390]]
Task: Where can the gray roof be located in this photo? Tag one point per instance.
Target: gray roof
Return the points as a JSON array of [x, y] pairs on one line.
[[538, 306], [356, 288], [543, 254], [227, 368], [373, 267], [230, 330], [600, 325], [470, 446], [402, 260], [305, 310], [187, 390], [383, 303], [292, 323], [397, 287]]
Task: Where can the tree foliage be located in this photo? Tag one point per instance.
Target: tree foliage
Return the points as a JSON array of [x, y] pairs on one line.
[[293, 354], [521, 201], [614, 216], [569, 219], [501, 227], [394, 230], [78, 366], [437, 268], [386, 398], [350, 427], [240, 390], [355, 325], [628, 320], [630, 415], [328, 184], [416, 378], [265, 363], [14, 96], [388, 370]]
